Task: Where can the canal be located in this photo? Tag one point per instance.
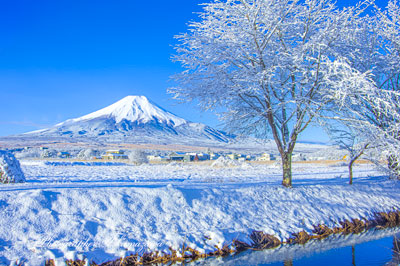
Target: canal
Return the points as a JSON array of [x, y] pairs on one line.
[[375, 247]]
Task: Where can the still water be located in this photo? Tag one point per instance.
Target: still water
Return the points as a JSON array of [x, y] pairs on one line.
[[381, 247]]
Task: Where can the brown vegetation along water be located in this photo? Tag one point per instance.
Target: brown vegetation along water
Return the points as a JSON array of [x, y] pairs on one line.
[[259, 241]]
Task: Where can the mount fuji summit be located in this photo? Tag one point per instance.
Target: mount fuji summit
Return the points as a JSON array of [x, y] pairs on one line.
[[133, 119]]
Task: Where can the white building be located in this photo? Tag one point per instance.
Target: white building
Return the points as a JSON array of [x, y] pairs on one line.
[[266, 157], [114, 155]]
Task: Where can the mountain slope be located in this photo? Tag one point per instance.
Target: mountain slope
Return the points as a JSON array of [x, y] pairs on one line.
[[134, 109], [134, 119]]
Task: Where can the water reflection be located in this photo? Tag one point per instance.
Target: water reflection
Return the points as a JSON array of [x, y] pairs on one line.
[[395, 252], [380, 247]]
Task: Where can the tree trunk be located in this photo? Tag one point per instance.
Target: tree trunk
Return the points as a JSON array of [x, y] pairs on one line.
[[353, 159], [351, 172], [394, 167], [288, 262], [287, 169]]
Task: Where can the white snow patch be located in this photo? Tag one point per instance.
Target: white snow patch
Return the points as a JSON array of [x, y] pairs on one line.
[[225, 162], [82, 163]]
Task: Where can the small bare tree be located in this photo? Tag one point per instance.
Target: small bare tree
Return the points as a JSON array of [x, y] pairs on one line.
[[348, 139]]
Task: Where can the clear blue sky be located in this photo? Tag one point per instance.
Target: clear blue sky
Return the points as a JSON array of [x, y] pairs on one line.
[[62, 59]]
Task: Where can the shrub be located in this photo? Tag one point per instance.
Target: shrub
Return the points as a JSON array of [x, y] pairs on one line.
[[10, 169]]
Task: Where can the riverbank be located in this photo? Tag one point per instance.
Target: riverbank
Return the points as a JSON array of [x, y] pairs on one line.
[[102, 213], [359, 230]]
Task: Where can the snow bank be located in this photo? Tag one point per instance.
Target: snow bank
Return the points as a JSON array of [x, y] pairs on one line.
[[84, 163], [102, 214], [10, 169], [225, 162]]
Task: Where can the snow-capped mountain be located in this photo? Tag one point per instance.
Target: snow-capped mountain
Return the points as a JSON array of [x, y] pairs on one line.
[[136, 109], [134, 119]]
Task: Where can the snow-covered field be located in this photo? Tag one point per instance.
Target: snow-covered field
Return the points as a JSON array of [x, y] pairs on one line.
[[104, 211]]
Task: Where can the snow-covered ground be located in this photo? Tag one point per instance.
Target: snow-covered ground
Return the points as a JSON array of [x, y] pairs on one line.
[[104, 211]]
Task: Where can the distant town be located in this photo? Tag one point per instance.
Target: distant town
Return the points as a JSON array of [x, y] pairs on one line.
[[154, 156], [119, 154]]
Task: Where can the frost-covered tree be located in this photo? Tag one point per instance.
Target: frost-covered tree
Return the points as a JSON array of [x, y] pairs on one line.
[[50, 153], [389, 81], [10, 169], [137, 157], [371, 115], [274, 66], [374, 113], [347, 138], [378, 122], [28, 153], [88, 153]]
